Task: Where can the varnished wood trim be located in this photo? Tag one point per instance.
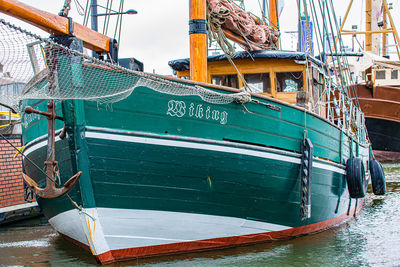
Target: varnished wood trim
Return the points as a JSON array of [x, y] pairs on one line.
[[55, 24]]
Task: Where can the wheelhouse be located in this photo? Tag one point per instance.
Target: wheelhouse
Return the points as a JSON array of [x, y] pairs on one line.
[[288, 76]]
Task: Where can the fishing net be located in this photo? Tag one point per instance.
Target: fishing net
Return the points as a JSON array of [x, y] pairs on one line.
[[47, 70]]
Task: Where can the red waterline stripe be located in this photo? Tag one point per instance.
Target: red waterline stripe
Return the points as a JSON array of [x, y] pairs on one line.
[[222, 242]]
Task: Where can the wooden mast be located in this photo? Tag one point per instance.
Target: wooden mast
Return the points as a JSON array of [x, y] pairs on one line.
[[368, 26], [273, 13], [384, 34], [273, 16], [198, 40], [56, 25]]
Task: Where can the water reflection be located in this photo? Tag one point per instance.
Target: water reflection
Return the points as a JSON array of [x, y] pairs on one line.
[[392, 172], [371, 239]]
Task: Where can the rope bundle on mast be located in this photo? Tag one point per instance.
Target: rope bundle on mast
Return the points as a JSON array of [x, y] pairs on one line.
[[226, 16]]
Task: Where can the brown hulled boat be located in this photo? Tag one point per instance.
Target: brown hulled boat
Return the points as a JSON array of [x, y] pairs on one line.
[[378, 88], [381, 107], [378, 93]]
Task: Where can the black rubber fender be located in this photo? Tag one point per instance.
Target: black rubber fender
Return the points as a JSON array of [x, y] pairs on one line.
[[355, 176], [377, 177]]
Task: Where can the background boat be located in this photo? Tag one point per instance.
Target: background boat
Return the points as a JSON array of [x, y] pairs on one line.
[[378, 88]]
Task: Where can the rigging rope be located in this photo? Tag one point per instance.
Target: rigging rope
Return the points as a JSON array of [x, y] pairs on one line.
[[79, 8], [75, 74], [107, 17], [215, 20], [351, 113], [87, 14]]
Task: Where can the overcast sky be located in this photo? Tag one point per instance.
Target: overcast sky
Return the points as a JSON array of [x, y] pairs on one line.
[[159, 32]]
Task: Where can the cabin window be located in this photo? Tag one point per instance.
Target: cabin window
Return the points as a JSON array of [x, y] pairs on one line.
[[395, 74], [380, 75], [287, 82], [259, 82], [185, 77], [230, 80]]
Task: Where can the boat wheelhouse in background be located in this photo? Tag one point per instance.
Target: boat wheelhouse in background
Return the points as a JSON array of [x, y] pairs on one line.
[[251, 149], [377, 78], [379, 98]]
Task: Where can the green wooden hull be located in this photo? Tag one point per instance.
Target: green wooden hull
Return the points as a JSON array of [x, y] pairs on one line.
[[179, 154]]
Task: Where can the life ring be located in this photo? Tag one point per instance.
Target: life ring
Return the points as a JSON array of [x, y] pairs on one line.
[[377, 177], [355, 176]]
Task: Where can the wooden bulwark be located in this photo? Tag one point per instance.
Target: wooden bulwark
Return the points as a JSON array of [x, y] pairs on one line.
[[54, 24]]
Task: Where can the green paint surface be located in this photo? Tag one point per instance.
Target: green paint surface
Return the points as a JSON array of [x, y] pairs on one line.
[[127, 175]]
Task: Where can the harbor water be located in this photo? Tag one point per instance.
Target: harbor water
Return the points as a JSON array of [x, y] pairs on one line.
[[370, 239]]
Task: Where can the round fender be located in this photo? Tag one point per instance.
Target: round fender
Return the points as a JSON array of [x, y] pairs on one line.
[[355, 177], [377, 177]]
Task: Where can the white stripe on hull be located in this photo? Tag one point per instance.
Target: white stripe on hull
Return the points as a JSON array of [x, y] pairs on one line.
[[317, 163], [191, 145], [30, 149], [123, 228], [212, 147]]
